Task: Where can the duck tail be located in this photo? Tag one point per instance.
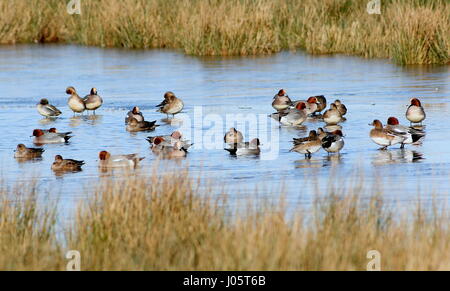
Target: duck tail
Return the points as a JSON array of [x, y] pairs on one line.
[[67, 137], [231, 150], [416, 137]]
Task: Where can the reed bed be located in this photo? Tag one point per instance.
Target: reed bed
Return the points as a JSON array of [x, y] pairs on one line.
[[406, 31], [169, 222]]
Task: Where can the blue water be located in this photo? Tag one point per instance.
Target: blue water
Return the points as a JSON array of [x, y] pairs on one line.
[[214, 90]]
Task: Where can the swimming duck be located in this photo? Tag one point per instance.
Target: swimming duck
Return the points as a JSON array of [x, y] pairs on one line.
[[281, 101], [112, 161], [341, 107], [75, 102], [332, 116], [233, 136], [93, 101], [40, 137], [333, 142], [134, 113], [161, 147], [23, 152], [245, 148], [309, 146], [170, 140], [61, 164], [133, 125], [170, 105], [292, 116], [46, 109], [384, 137], [415, 112], [411, 135]]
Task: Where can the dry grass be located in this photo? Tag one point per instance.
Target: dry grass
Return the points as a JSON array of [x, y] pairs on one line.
[[407, 31], [155, 223]]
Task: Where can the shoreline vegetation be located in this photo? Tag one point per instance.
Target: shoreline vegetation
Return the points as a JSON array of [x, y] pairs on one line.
[[170, 222], [406, 31]]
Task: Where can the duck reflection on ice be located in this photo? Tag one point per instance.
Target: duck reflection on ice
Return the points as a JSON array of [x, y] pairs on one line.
[[396, 156]]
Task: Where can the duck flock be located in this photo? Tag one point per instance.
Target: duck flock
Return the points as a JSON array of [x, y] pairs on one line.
[[288, 113]]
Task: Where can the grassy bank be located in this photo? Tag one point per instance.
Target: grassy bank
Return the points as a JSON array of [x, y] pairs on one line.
[[406, 31], [168, 223]]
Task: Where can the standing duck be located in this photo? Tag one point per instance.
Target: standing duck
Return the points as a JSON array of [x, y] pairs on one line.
[[309, 146], [29, 153], [61, 164], [333, 142], [93, 101], [75, 102], [415, 112], [332, 116], [411, 135], [170, 105], [46, 109], [281, 101], [384, 137]]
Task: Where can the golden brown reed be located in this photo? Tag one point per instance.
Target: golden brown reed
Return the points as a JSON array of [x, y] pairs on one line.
[[406, 31], [174, 222]]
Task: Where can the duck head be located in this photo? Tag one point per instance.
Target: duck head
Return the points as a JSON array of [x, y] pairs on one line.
[[70, 90], [104, 155], [377, 124], [38, 133], [176, 134], [94, 91], [300, 106], [43, 101], [416, 102], [392, 121], [312, 100]]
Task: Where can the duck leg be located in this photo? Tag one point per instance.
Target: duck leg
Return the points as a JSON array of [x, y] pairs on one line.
[[402, 146]]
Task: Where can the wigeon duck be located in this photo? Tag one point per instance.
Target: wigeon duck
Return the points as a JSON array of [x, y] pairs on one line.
[[281, 101], [311, 136], [245, 148], [312, 105], [170, 105], [93, 101], [23, 152], [341, 107], [112, 161], [40, 137], [170, 140], [415, 112], [308, 147], [411, 135], [134, 125], [321, 103], [54, 130], [233, 136], [333, 142], [384, 137], [321, 133], [46, 109], [134, 113], [292, 116], [61, 164], [166, 150], [177, 151], [75, 102], [332, 116]]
